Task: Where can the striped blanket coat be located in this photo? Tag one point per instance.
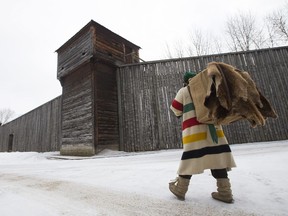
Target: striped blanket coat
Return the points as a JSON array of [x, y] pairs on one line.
[[200, 152]]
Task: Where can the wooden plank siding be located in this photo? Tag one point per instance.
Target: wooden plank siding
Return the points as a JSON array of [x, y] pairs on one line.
[[75, 54], [146, 91], [111, 47], [94, 41], [106, 106], [77, 113], [38, 130]]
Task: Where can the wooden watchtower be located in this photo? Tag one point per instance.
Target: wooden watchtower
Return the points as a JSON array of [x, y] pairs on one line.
[[87, 65]]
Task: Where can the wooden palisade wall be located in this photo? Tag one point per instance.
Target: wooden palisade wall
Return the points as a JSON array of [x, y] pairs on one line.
[[38, 130], [146, 91]]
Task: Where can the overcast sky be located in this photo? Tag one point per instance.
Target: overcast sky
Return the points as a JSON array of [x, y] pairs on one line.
[[31, 31]]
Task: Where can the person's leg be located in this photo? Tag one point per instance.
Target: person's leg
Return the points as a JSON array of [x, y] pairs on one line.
[[186, 176], [224, 193], [219, 173], [179, 186]]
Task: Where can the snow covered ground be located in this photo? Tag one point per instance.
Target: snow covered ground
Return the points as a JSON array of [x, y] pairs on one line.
[[119, 183]]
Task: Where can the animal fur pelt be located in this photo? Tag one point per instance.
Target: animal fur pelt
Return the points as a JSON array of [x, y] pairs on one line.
[[223, 94]]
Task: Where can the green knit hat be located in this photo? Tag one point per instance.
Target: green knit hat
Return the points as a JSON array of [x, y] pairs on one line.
[[188, 75]]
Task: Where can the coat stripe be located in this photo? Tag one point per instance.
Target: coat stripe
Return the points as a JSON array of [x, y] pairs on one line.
[[189, 123], [177, 105], [200, 136], [194, 138], [220, 133], [198, 153], [188, 107]]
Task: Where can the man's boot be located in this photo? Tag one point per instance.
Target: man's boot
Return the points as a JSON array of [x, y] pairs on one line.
[[179, 187], [224, 193]]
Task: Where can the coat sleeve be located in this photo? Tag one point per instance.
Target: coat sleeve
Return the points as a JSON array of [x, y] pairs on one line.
[[177, 103]]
